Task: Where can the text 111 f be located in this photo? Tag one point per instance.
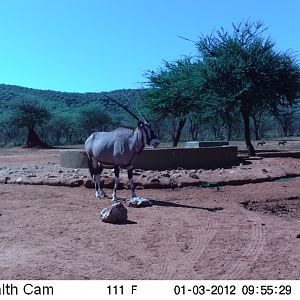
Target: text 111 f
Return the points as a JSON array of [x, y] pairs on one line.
[[119, 289]]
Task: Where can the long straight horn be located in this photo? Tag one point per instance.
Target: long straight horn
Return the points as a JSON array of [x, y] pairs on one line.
[[142, 115], [145, 120], [119, 104]]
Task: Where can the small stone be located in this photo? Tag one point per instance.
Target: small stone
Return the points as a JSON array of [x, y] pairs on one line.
[[138, 202], [19, 180], [177, 175], [165, 175], [155, 180], [298, 236], [75, 183], [114, 213], [51, 176], [194, 175], [4, 179]]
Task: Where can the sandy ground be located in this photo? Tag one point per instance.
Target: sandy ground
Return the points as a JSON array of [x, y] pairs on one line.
[[250, 231]]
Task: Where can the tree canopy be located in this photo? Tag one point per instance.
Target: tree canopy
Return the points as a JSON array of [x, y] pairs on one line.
[[242, 71], [235, 73], [172, 93], [30, 114], [93, 118]]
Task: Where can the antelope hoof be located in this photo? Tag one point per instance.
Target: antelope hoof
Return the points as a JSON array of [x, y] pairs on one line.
[[100, 195], [114, 199]]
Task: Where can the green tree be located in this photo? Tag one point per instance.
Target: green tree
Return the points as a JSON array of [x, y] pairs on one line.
[[93, 118], [60, 126], [242, 71], [172, 94], [286, 120], [30, 114], [6, 127]]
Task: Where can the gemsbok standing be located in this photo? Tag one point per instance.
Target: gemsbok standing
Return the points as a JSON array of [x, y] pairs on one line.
[[118, 149]]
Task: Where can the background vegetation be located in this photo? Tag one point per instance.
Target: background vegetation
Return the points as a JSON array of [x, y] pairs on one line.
[[239, 87]]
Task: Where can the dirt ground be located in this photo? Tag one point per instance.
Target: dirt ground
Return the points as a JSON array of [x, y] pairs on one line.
[[249, 231]]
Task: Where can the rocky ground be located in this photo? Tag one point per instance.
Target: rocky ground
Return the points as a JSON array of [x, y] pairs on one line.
[[245, 171], [247, 226]]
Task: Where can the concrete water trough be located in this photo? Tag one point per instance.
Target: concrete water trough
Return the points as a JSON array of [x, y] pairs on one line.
[[165, 158], [199, 144]]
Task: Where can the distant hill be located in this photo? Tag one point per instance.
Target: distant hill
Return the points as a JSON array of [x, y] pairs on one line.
[[64, 101]]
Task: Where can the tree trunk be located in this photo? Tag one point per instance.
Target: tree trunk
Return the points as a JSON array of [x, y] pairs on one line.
[[194, 128], [256, 122], [229, 132], [256, 131], [246, 118], [178, 132], [33, 140]]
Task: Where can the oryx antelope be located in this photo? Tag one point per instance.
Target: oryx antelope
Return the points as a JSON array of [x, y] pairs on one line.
[[118, 149]]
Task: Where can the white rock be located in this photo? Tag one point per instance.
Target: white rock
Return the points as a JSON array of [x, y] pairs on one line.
[[114, 213], [20, 179], [139, 202]]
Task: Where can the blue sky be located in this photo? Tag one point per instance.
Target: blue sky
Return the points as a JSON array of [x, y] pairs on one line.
[[102, 45]]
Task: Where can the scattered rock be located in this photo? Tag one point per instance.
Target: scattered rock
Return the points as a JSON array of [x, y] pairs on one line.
[[298, 236], [165, 175], [50, 173], [114, 213], [194, 175], [51, 176], [173, 183], [19, 180], [4, 179], [138, 202], [154, 180], [75, 183], [292, 198], [89, 183], [177, 175]]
